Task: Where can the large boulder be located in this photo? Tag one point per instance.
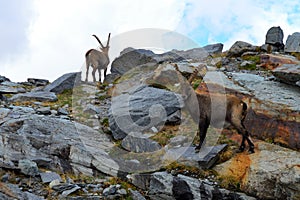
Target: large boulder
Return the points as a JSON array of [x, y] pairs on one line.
[[130, 58], [65, 82], [293, 43], [240, 47], [144, 108], [271, 61], [272, 171], [288, 73], [274, 36]]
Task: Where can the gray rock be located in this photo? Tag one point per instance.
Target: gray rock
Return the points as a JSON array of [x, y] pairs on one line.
[[142, 109], [205, 159], [214, 48], [130, 58], [47, 177], [178, 141], [167, 186], [122, 192], [5, 89], [62, 111], [65, 82], [65, 193], [111, 190], [30, 196], [54, 143], [293, 43], [91, 109], [273, 171], [28, 167], [3, 78], [287, 73], [136, 142], [44, 111], [240, 47], [34, 96], [38, 82], [274, 36], [136, 195], [196, 54]]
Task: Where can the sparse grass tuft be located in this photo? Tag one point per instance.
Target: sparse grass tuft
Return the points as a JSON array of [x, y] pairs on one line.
[[165, 135]]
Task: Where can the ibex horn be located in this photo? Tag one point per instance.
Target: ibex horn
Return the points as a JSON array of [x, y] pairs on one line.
[[98, 41], [108, 40]]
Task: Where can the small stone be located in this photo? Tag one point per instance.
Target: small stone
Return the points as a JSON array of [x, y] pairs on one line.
[[70, 191], [136, 195], [44, 111], [112, 189], [54, 183], [62, 111], [47, 177], [28, 167], [122, 192], [5, 177]]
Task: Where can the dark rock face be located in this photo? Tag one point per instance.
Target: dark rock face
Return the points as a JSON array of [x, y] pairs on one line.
[[3, 78], [142, 109], [240, 47], [131, 58], [38, 82], [293, 43], [65, 82], [214, 48], [288, 73], [275, 36]]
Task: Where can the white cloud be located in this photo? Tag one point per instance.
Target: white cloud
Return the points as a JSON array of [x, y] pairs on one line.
[[60, 30], [229, 20], [60, 33]]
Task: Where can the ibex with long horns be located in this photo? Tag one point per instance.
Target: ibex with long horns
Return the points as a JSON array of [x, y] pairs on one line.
[[97, 59]]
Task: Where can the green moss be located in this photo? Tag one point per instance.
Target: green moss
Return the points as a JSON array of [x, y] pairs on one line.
[[253, 58], [105, 122]]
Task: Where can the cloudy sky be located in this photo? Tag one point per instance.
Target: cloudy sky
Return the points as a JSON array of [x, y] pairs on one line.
[[47, 38]]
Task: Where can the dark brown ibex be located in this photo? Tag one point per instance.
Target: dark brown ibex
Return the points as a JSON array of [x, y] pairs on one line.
[[97, 59], [233, 110]]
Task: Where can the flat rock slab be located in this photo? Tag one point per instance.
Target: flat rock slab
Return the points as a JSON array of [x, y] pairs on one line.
[[206, 158], [6, 89], [47, 177], [288, 73], [34, 96]]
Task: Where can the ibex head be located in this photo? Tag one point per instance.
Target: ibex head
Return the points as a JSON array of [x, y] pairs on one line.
[[104, 49]]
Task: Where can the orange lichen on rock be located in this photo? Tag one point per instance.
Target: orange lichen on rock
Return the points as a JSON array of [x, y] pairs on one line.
[[236, 170], [270, 61]]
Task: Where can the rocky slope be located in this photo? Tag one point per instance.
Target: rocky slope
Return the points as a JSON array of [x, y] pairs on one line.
[[133, 137]]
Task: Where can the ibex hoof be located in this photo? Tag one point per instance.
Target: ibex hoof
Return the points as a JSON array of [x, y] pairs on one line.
[[197, 149], [241, 149], [251, 150]]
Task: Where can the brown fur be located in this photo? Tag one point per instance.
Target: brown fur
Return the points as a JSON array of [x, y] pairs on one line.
[[98, 60]]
